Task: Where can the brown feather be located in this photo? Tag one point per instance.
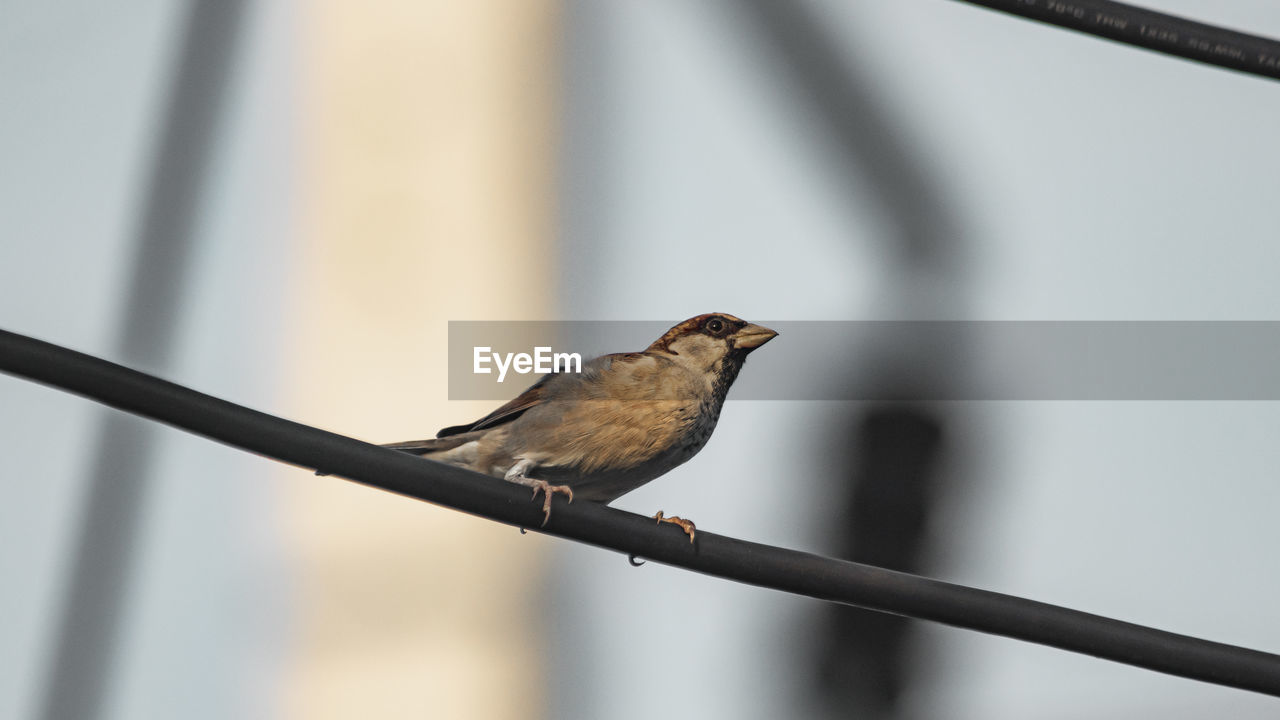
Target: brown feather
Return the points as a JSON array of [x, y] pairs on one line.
[[532, 396], [692, 325]]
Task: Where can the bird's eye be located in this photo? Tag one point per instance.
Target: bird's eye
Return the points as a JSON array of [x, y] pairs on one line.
[[715, 326]]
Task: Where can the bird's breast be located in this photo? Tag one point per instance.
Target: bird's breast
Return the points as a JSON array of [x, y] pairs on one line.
[[624, 449]]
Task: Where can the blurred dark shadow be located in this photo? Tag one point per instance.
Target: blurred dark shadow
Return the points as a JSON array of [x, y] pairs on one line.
[[861, 665], [862, 658], [100, 572]]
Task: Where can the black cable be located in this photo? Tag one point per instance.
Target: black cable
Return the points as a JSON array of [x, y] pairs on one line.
[[1152, 30], [634, 535]]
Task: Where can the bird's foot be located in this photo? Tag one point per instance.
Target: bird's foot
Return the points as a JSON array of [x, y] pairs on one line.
[[547, 489], [686, 525]]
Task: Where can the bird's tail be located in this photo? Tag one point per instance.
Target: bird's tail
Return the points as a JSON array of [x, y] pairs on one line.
[[437, 449], [429, 446]]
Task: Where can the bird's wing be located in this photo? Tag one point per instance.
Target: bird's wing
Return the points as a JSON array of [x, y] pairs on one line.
[[531, 397], [535, 395]]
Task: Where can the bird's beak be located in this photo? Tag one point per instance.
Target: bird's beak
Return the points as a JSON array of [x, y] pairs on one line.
[[753, 336]]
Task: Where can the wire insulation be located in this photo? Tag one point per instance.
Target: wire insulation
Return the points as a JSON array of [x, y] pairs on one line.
[[1152, 30], [634, 535]]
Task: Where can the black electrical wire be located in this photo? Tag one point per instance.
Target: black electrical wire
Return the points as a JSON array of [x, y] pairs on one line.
[[1152, 30], [634, 535]]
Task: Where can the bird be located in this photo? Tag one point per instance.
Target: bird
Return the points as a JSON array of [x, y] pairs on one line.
[[621, 421]]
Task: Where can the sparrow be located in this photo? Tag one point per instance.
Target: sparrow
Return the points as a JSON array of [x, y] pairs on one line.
[[622, 421]]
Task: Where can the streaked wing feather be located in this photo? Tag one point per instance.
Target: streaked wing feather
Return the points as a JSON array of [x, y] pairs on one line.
[[533, 396], [505, 414]]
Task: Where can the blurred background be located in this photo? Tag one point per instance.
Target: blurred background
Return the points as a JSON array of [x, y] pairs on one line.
[[284, 203]]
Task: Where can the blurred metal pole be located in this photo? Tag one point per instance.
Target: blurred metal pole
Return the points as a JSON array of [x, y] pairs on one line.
[[93, 606], [847, 105], [894, 452]]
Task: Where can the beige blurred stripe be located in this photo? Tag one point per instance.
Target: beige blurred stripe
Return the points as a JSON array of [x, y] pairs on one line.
[[427, 147]]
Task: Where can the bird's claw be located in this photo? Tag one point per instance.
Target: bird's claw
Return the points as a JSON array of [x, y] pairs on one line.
[[547, 489], [686, 525]]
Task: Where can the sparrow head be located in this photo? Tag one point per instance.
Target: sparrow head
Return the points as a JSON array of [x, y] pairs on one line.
[[716, 343]]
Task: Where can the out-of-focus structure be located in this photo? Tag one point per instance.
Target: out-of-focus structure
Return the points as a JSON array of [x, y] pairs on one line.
[[379, 169]]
